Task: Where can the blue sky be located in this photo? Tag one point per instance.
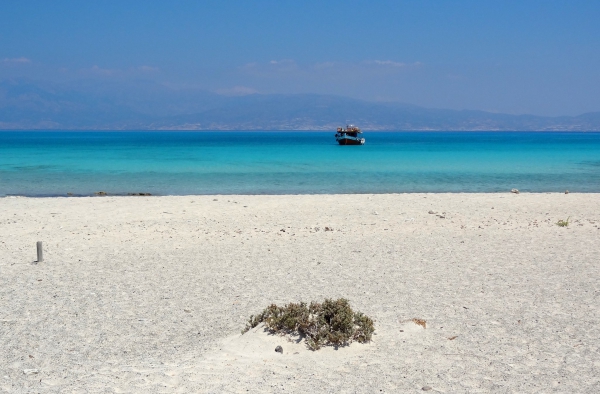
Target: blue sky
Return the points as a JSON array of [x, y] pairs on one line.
[[540, 57]]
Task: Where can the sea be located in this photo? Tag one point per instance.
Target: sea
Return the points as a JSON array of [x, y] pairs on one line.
[[50, 163]]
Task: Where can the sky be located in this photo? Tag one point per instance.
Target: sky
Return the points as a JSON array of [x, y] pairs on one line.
[[534, 57]]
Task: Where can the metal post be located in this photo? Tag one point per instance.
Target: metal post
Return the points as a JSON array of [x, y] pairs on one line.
[[40, 252]]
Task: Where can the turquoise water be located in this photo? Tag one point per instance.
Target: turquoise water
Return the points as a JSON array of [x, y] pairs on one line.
[[180, 163]]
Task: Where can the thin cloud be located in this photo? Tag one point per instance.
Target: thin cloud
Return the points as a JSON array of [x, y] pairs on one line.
[[287, 64], [323, 65], [284, 67], [107, 72], [115, 72], [282, 62], [248, 66], [237, 91], [328, 72], [391, 63], [16, 60], [148, 69], [388, 63]]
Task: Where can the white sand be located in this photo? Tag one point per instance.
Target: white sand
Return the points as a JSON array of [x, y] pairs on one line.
[[149, 294]]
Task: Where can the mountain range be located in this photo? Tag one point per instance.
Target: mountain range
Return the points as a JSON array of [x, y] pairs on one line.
[[147, 105]]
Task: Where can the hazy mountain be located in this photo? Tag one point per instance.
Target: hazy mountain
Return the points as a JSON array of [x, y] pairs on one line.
[[144, 105]]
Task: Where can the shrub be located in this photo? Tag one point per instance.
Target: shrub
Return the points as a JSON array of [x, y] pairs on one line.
[[330, 323], [563, 223]]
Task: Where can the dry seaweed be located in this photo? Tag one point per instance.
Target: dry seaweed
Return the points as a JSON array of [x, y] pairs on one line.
[[420, 322]]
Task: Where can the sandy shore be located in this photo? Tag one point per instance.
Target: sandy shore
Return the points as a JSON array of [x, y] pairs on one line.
[[149, 294]]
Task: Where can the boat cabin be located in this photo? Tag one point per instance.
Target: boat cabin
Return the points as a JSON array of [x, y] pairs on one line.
[[349, 136]]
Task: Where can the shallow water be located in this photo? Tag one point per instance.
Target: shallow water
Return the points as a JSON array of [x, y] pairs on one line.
[[180, 163]]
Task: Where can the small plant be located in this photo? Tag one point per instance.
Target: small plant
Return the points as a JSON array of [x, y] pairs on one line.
[[330, 323], [563, 223]]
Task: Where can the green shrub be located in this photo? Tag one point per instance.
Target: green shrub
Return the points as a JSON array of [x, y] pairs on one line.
[[563, 223], [330, 323]]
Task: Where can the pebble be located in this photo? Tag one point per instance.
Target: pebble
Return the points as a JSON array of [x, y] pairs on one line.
[[516, 191], [566, 192], [279, 349], [30, 371], [426, 388]]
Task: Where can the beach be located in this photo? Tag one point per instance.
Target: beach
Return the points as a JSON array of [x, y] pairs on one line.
[[149, 294]]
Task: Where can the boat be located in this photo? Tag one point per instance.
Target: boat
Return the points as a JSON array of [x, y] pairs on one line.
[[349, 136]]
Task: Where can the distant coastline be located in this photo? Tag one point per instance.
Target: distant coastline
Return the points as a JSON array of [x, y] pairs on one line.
[[27, 106], [307, 130]]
